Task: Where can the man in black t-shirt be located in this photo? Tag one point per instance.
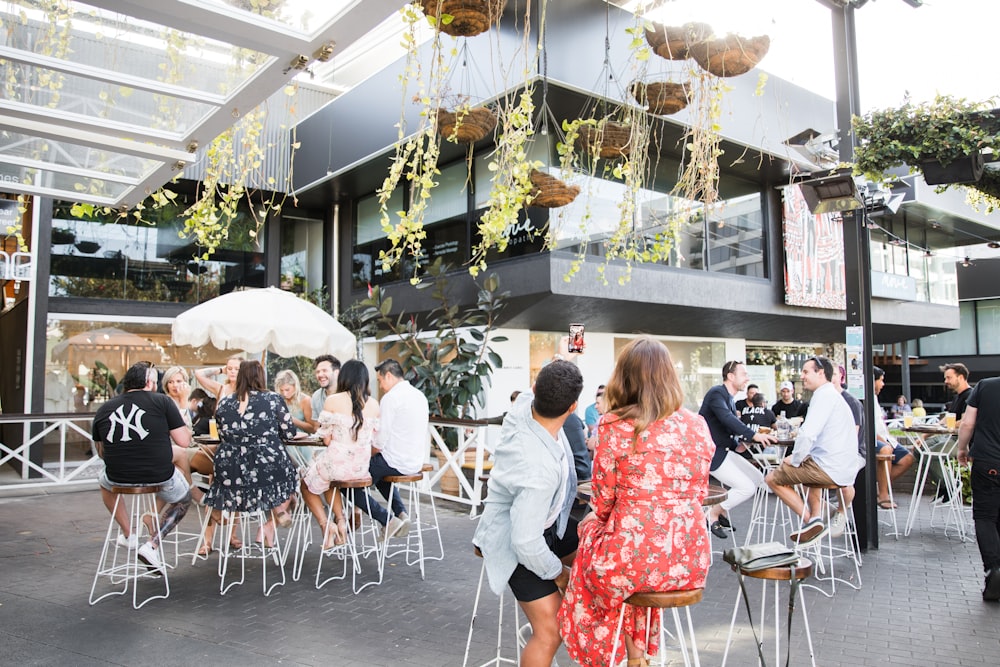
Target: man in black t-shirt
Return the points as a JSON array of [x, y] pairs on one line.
[[791, 406], [752, 390], [133, 433], [956, 378], [979, 442], [756, 414]]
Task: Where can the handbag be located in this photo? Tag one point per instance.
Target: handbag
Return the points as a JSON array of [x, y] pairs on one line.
[[753, 557], [761, 556]]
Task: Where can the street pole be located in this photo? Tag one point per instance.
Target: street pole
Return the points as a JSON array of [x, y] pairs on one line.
[[857, 264]]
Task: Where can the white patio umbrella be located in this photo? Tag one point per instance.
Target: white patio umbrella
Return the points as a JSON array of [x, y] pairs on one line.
[[256, 320]]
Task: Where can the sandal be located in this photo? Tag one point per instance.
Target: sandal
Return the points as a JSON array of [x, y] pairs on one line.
[[205, 550], [283, 518], [331, 532], [887, 505]]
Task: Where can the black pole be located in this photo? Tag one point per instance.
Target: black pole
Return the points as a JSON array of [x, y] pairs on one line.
[[857, 264]]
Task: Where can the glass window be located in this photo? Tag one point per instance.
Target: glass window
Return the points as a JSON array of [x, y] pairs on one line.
[[699, 366], [451, 196], [988, 325], [955, 342], [735, 232], [301, 254], [85, 359], [106, 259]]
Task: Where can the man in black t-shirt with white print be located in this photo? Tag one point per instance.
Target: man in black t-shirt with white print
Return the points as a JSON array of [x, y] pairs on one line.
[[133, 433]]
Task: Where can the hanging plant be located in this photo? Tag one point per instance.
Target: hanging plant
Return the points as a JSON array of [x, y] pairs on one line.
[[661, 98], [731, 55], [416, 156], [941, 132], [466, 124], [675, 42], [604, 138], [549, 192], [511, 184], [463, 18]]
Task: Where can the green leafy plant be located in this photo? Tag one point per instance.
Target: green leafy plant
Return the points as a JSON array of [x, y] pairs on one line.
[[448, 354], [943, 130]]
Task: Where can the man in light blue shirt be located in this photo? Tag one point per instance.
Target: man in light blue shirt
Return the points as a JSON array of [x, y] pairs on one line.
[[526, 535], [825, 452], [592, 414]]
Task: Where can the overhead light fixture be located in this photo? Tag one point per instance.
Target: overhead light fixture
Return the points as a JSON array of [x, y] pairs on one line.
[[993, 244], [820, 149], [966, 262], [831, 193], [928, 253]]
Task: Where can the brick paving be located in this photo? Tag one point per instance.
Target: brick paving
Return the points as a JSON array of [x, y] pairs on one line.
[[920, 605]]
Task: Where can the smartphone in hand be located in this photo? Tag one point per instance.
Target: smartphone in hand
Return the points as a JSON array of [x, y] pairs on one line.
[[575, 338]]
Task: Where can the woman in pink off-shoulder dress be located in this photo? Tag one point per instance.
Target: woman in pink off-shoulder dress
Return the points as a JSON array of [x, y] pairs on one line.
[[348, 425], [647, 531]]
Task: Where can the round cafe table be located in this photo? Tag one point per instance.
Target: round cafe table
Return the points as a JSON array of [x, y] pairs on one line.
[[716, 495]]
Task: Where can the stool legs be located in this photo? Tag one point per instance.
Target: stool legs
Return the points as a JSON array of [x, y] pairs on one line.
[[887, 463], [126, 568], [825, 551], [249, 550], [499, 659], [689, 660], [777, 623]]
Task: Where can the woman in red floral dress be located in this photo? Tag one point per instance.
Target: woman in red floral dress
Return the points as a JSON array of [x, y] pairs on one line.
[[647, 531]]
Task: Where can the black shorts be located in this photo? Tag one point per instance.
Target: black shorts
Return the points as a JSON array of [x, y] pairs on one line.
[[528, 586]]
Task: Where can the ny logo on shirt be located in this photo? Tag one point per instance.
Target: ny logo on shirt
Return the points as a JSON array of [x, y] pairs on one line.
[[128, 423]]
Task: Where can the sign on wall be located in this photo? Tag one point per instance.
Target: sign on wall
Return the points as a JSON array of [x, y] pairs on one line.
[[814, 255]]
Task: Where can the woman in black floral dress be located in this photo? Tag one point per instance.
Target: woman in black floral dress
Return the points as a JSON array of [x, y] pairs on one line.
[[252, 468]]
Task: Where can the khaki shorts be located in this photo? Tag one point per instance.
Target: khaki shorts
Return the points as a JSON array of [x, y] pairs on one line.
[[808, 473]]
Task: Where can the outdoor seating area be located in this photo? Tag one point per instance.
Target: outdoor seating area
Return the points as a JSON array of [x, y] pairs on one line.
[[50, 544]]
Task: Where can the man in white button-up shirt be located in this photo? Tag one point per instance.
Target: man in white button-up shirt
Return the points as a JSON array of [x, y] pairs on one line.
[[825, 452], [402, 442]]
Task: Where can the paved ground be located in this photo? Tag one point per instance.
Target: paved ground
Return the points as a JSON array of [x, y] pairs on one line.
[[920, 605]]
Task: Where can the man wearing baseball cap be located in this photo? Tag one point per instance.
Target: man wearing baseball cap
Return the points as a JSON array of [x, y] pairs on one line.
[[791, 406]]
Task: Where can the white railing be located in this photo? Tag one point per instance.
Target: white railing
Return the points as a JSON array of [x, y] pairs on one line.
[[40, 431], [472, 435]]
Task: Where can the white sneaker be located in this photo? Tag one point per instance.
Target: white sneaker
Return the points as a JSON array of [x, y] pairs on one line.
[[130, 542], [150, 555], [395, 526], [838, 524], [404, 530]]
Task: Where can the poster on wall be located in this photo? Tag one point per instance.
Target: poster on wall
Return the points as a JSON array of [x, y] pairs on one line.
[[814, 255], [855, 339]]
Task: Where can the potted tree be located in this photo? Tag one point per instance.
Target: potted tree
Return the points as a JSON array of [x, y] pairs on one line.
[[446, 354]]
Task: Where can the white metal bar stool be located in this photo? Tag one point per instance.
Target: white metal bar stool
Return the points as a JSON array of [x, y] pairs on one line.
[[431, 525], [885, 460], [803, 569], [123, 569], [250, 550], [413, 548], [825, 551], [672, 600], [356, 544], [499, 659]]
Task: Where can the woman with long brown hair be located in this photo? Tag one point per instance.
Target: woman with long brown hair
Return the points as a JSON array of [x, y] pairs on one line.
[[349, 421], [647, 531], [252, 469]]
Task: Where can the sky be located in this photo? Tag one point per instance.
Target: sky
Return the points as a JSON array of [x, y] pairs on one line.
[[942, 47]]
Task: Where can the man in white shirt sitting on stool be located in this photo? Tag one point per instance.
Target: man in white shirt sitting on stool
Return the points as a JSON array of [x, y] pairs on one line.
[[825, 452], [401, 443]]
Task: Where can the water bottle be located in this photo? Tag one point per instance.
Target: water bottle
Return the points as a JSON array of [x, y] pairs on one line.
[[783, 428]]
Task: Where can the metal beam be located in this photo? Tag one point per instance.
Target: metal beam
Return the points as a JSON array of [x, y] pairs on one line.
[[15, 113], [109, 76], [65, 169]]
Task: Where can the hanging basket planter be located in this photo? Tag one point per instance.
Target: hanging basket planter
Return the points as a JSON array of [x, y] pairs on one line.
[[661, 98], [674, 42], [731, 55], [463, 18], [466, 126], [62, 236], [607, 140], [87, 247], [549, 192]]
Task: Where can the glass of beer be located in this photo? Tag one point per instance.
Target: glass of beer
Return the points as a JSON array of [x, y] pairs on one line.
[[907, 421], [213, 429], [949, 420]]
